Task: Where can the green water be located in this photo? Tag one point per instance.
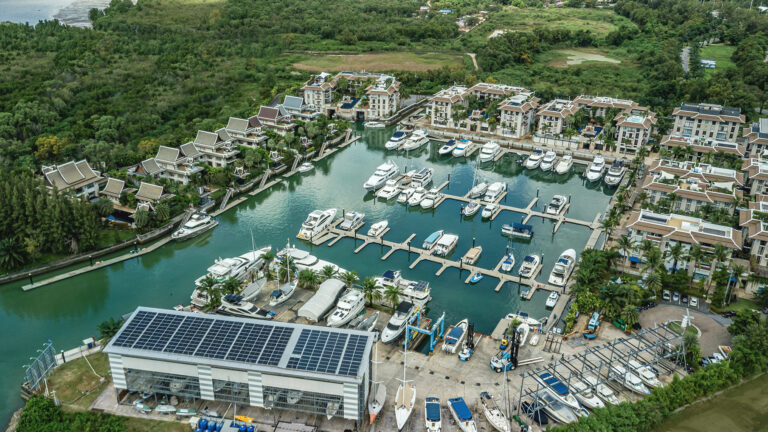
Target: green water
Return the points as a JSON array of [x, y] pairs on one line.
[[69, 311], [743, 408]]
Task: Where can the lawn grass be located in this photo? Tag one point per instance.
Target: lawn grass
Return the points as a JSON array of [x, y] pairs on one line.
[[74, 379], [721, 54], [570, 57], [598, 21], [381, 61], [742, 304], [134, 424]]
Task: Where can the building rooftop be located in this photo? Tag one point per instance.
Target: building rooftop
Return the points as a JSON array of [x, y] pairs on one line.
[[686, 229], [113, 188], [710, 112], [708, 145], [70, 175], [149, 192]]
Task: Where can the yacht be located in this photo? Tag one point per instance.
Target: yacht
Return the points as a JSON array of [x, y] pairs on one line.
[[489, 210], [603, 391], [462, 415], [447, 147], [431, 241], [629, 380], [405, 397], [557, 204], [455, 336], [374, 125], [352, 220], [446, 245], [615, 173], [431, 199], [422, 177], [416, 292], [563, 268], [534, 160], [517, 230], [530, 265], [389, 191], [302, 260], [493, 413], [398, 139], [494, 192], [565, 164], [378, 228], [234, 305], [417, 196], [378, 179], [556, 409], [405, 180], [224, 268], [509, 263], [396, 325], [535, 413], [417, 140], [552, 299], [478, 190], [315, 223], [549, 161], [471, 208], [463, 147], [645, 373], [488, 152], [585, 393], [472, 255], [197, 224], [378, 389], [405, 195], [306, 167], [349, 305], [284, 291], [596, 169], [432, 414]]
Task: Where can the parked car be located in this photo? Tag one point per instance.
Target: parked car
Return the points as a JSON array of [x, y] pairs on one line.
[[665, 295], [648, 305], [676, 297], [729, 314], [684, 299], [694, 302]]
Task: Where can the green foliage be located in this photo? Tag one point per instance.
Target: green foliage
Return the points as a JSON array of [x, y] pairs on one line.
[[41, 415], [109, 328]]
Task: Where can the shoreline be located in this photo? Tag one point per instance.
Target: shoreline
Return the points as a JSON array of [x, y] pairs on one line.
[[72, 13]]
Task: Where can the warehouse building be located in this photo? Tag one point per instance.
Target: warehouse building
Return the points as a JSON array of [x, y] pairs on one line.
[[265, 364]]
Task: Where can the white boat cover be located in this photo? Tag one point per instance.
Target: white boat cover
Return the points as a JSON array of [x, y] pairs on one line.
[[324, 299]]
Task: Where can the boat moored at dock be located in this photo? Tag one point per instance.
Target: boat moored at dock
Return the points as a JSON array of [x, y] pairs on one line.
[[389, 191], [494, 192], [552, 299], [417, 140], [431, 241], [534, 159], [378, 179], [471, 208], [422, 177], [352, 220], [396, 141], [316, 222], [563, 268], [431, 198], [417, 196], [564, 165], [447, 148], [615, 173], [488, 152], [529, 266], [378, 228], [472, 255], [509, 263], [463, 147], [548, 161], [596, 169], [556, 206], [446, 245], [405, 195], [489, 210], [517, 230], [197, 224]]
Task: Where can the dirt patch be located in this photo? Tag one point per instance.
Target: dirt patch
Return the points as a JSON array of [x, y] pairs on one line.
[[573, 57], [377, 62]]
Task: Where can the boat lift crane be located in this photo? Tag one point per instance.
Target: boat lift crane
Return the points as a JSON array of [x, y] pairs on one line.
[[435, 333]]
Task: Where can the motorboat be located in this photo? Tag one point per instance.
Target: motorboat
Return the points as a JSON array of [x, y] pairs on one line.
[[447, 147], [165, 409], [462, 415], [478, 190], [534, 340], [378, 389], [422, 177], [471, 208], [142, 407], [197, 224], [431, 199], [596, 168], [234, 305], [446, 245], [563, 268], [517, 230], [416, 292], [509, 263], [468, 346], [489, 210], [350, 304], [645, 373], [378, 228], [602, 391], [389, 191], [396, 325], [405, 195], [417, 140], [331, 409], [535, 413], [558, 389], [615, 173], [224, 268], [529, 266], [368, 324], [494, 192], [475, 278], [463, 147], [552, 299], [374, 125], [315, 223], [417, 196], [405, 397], [548, 161], [302, 260], [564, 165], [493, 413], [432, 418], [455, 336], [629, 380], [585, 394], [472, 255], [352, 220], [534, 159], [398, 139], [523, 329], [431, 241], [405, 180], [488, 152], [556, 409], [557, 204], [306, 167], [523, 317], [378, 179]]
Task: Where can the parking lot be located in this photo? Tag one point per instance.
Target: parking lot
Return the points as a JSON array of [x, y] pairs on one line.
[[713, 328]]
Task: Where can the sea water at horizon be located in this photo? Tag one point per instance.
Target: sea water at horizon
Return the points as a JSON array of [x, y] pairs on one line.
[[71, 12]]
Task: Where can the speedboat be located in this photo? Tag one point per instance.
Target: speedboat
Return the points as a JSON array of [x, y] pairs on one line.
[[558, 389], [472, 255], [586, 394], [494, 192], [471, 208], [534, 160], [596, 169], [447, 147], [389, 191], [530, 265], [417, 140], [517, 230], [378, 228], [349, 305], [475, 278], [379, 178], [315, 223], [645, 373], [417, 196], [565, 164], [552, 299], [603, 391], [463, 147], [523, 329], [398, 138], [416, 292], [557, 204], [563, 268], [306, 167], [234, 305], [431, 198], [478, 190], [199, 223], [493, 413], [629, 380], [351, 221], [549, 160], [462, 415], [431, 241], [396, 325], [535, 413], [455, 336], [489, 210], [556, 409], [488, 152], [446, 245], [432, 414], [405, 195], [509, 263], [373, 124], [422, 177], [615, 173]]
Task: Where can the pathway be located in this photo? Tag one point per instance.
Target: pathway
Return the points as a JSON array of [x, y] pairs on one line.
[[473, 56]]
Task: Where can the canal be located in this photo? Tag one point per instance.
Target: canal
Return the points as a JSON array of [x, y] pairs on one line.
[[69, 311]]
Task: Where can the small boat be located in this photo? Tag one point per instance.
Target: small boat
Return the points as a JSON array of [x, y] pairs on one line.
[[165, 409], [331, 409], [535, 413], [603, 391], [417, 196], [432, 414], [471, 208], [509, 263], [477, 277], [306, 167], [493, 413], [596, 169], [463, 147], [422, 177], [557, 204], [468, 346], [489, 210], [389, 191], [315, 223], [629, 380], [142, 407], [197, 224], [352, 220], [517, 230], [586, 395], [378, 228], [556, 409], [374, 125], [462, 415], [405, 180], [282, 294], [369, 323], [615, 173], [349, 305], [185, 412], [396, 325], [523, 329], [378, 179], [494, 192], [472, 255], [534, 340], [488, 152], [431, 198], [530, 265], [558, 389], [534, 160], [455, 336], [405, 397], [447, 147], [565, 164], [240, 418], [552, 299], [417, 140], [432, 240], [446, 245], [563, 268], [645, 373], [405, 195], [478, 190], [398, 139]]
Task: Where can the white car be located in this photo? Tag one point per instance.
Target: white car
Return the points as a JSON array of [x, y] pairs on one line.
[[693, 302], [666, 295]]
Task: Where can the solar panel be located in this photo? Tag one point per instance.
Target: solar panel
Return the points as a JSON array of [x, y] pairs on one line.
[[249, 343], [157, 333], [134, 329], [218, 341], [353, 354], [275, 346], [188, 336]]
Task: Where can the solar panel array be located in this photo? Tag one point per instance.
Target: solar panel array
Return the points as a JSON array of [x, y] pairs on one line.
[[316, 350]]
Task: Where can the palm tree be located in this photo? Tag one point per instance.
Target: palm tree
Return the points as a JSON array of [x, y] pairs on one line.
[[350, 278], [392, 294], [328, 272], [308, 279], [720, 254], [653, 282], [607, 224], [675, 252], [653, 261], [231, 286], [207, 285], [646, 245], [630, 316], [626, 244], [370, 290], [11, 254], [109, 328]]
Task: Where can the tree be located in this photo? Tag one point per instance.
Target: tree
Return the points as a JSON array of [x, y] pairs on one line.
[[675, 252], [626, 244], [162, 211], [207, 286], [109, 328], [654, 262], [308, 279], [141, 218], [742, 320], [11, 254], [393, 294], [231, 286], [104, 207], [328, 272], [630, 315], [653, 282], [350, 278], [370, 290]]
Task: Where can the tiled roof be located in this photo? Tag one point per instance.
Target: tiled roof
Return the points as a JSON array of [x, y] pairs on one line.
[[113, 188], [268, 113], [685, 228], [293, 102], [710, 112], [237, 124], [70, 175], [190, 150], [167, 154], [703, 146], [604, 102], [149, 192], [205, 138], [150, 166], [560, 108]]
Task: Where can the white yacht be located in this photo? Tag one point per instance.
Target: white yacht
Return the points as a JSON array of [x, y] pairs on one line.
[[432, 417], [563, 268], [197, 224], [493, 413], [389, 191], [405, 195], [549, 161], [398, 139], [488, 152], [405, 398], [302, 260], [374, 125], [422, 177], [489, 210], [447, 147], [462, 414], [224, 268], [534, 160], [472, 208], [431, 198], [315, 223], [596, 168], [234, 305], [352, 220], [283, 292], [349, 305], [603, 391], [529, 266], [565, 164], [446, 245], [557, 389], [494, 192], [378, 228], [417, 196], [415, 292], [585, 393], [645, 373], [478, 190], [556, 409], [629, 380], [557, 204], [417, 140], [431, 241], [378, 179], [463, 147], [615, 173], [306, 167], [455, 336], [396, 325], [509, 263], [552, 299], [472, 255], [378, 389]]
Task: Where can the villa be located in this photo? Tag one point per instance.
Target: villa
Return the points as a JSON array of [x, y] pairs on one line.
[[756, 170], [489, 92], [173, 163], [554, 116], [247, 133], [598, 106], [113, 190], [318, 92], [76, 177], [517, 114], [701, 147], [148, 195], [754, 222], [215, 148], [634, 128], [757, 137], [275, 118], [708, 121]]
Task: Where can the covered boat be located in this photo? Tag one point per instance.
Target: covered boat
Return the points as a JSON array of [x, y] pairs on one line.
[[517, 230]]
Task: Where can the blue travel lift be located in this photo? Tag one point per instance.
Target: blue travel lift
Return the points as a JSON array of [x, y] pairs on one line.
[[435, 333]]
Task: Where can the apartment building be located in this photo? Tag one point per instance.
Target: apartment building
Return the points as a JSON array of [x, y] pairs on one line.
[[598, 106], [382, 95], [75, 177], [318, 91], [487, 91], [701, 147], [553, 116], [708, 121], [246, 132], [634, 128], [443, 106], [517, 114], [756, 171], [383, 98], [756, 136], [695, 186], [275, 118], [754, 221]]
